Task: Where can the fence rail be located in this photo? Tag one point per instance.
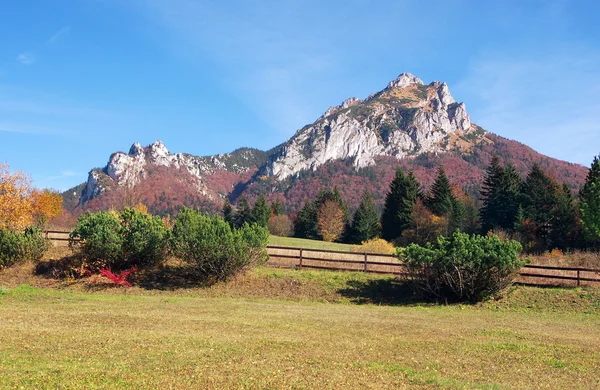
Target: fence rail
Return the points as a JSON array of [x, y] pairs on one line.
[[324, 259]]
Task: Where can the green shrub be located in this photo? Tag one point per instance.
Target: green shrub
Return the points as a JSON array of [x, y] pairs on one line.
[[145, 239], [462, 267], [212, 249], [15, 246], [125, 239]]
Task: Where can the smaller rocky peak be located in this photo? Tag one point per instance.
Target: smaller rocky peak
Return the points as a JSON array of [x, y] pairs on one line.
[[404, 80], [353, 101], [158, 149], [444, 94], [136, 149]]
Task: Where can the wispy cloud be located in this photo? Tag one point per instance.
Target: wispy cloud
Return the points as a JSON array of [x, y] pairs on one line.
[[27, 58], [58, 36], [31, 129], [548, 100], [282, 59]]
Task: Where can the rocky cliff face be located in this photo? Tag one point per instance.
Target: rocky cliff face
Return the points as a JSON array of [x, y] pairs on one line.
[[407, 118], [131, 168]]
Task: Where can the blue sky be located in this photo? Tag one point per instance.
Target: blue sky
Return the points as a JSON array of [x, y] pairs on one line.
[[80, 79]]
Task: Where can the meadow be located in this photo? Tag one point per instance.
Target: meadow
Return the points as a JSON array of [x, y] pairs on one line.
[[279, 328]]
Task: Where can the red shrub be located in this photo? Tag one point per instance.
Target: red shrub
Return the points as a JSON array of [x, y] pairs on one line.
[[119, 279]]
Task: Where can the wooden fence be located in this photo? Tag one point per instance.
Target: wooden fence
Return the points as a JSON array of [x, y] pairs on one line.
[[279, 256]]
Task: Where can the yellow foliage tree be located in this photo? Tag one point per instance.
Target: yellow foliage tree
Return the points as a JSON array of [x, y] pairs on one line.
[[20, 205], [330, 221], [16, 203]]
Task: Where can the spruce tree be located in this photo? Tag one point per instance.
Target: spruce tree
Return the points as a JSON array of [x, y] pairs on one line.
[[243, 213], [539, 200], [490, 209], [306, 222], [261, 212], [440, 199], [590, 203], [365, 224], [277, 207], [399, 203], [565, 231], [501, 196], [228, 214]]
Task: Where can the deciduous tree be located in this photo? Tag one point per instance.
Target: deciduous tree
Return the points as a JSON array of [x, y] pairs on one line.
[[331, 221]]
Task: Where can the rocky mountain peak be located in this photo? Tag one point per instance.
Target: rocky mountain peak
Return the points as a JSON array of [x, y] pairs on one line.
[[404, 80], [405, 119], [136, 149]]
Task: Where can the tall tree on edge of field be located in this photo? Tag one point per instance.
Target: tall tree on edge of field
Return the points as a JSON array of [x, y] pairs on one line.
[[590, 203], [306, 223], [365, 224], [261, 212], [243, 213], [399, 203]]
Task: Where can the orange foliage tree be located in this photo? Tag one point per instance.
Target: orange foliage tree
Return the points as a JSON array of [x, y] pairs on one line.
[[331, 221], [47, 204]]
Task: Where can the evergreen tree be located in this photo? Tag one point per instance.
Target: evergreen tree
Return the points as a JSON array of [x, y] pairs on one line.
[[306, 222], [565, 229], [399, 203], [440, 199], [243, 213], [365, 224], [590, 203], [489, 195], [228, 214], [509, 198], [539, 200], [261, 212], [277, 207], [501, 196]]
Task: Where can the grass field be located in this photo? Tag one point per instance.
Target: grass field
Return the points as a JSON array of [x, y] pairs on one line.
[[310, 244], [274, 328]]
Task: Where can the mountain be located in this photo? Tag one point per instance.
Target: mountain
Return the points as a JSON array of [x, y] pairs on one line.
[[354, 146]]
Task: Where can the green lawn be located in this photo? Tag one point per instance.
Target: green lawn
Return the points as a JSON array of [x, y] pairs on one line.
[[309, 244], [277, 329]]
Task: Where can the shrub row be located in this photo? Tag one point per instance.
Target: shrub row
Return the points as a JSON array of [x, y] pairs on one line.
[[15, 246], [208, 246]]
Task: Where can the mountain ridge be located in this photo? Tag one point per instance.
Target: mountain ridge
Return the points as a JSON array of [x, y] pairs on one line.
[[408, 124]]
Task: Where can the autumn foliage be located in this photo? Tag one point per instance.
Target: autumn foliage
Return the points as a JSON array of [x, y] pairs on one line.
[[331, 222], [21, 205]]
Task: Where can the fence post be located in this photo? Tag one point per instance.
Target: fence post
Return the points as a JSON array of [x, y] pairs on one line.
[[578, 281], [46, 234], [366, 262], [300, 264]]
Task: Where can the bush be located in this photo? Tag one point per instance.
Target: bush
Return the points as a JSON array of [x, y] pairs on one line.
[[14, 246], [462, 267], [281, 225], [376, 245], [126, 239], [212, 249]]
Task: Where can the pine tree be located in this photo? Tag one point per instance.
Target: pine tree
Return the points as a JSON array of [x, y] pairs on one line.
[[590, 203], [261, 212], [440, 200], [399, 203], [306, 222], [243, 213], [277, 207], [365, 224], [228, 214]]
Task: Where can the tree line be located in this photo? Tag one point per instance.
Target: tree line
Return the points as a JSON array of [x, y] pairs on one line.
[[536, 210]]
